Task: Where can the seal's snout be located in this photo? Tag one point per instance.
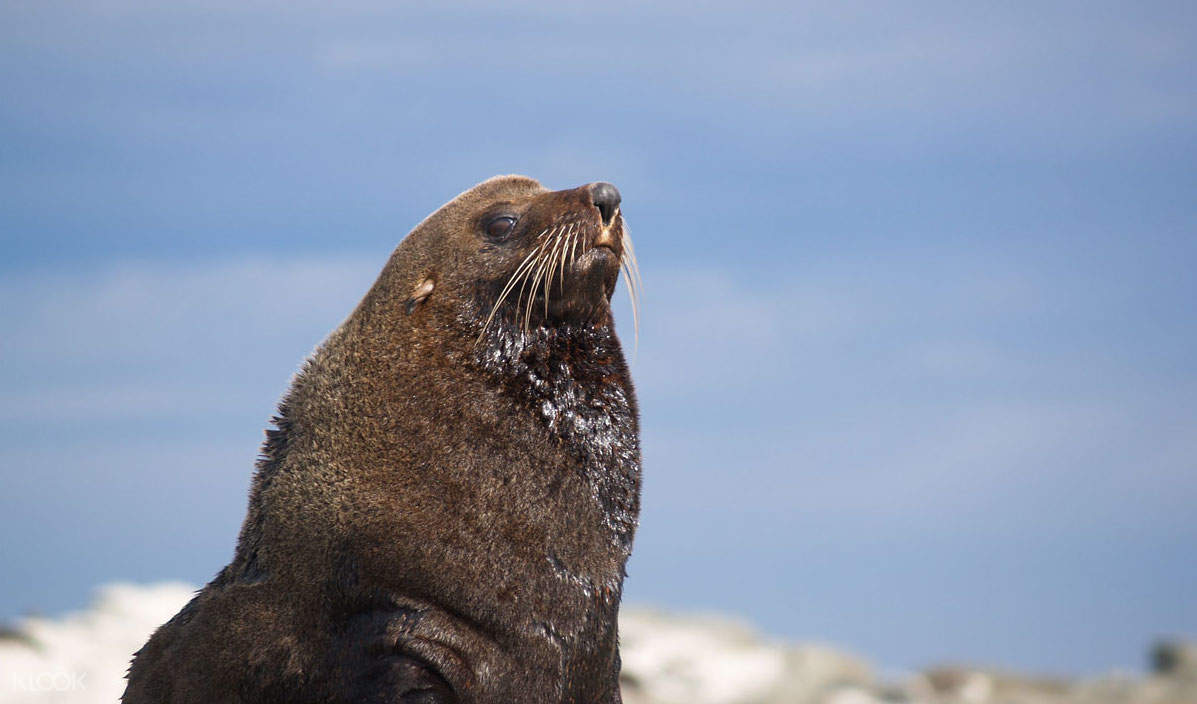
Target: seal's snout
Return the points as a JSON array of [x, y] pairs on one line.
[[606, 198], [562, 262]]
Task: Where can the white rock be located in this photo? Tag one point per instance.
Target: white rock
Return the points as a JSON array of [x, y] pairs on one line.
[[709, 660], [81, 658]]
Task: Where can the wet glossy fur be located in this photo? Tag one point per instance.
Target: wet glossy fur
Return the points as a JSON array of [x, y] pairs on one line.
[[437, 517]]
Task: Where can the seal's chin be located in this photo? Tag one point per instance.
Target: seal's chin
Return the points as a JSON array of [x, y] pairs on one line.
[[587, 288], [599, 257]]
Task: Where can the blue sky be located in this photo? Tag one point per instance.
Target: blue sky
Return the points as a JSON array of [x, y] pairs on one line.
[[919, 329]]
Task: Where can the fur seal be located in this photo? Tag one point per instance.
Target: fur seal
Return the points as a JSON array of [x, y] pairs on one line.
[[446, 504]]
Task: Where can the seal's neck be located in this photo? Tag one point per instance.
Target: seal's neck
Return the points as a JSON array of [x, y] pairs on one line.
[[575, 379]]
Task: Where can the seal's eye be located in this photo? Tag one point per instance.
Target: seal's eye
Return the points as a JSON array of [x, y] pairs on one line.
[[500, 227]]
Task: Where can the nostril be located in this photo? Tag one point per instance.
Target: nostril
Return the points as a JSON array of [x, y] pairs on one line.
[[606, 199], [607, 211]]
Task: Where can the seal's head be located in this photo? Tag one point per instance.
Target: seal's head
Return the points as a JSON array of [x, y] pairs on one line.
[[511, 253]]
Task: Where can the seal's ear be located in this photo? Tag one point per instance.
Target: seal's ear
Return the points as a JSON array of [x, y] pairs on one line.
[[420, 294]]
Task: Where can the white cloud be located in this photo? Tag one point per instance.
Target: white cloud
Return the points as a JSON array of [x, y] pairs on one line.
[[139, 338]]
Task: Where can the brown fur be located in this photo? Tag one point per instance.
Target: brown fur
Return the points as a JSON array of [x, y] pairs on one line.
[[444, 512]]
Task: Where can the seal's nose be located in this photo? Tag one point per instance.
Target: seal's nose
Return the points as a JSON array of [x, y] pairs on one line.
[[606, 199]]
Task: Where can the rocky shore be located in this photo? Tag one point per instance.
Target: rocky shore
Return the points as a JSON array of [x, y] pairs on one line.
[[81, 658], [671, 659]]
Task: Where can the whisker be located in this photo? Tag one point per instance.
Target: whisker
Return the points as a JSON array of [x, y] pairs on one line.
[[561, 267], [573, 246], [542, 240], [535, 282], [552, 264], [631, 255], [634, 297], [541, 281], [632, 280], [540, 263], [519, 274], [566, 260]]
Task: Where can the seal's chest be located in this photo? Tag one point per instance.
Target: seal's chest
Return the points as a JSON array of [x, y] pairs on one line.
[[572, 384], [590, 412]]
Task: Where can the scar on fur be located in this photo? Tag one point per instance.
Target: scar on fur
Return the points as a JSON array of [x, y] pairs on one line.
[[420, 294]]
